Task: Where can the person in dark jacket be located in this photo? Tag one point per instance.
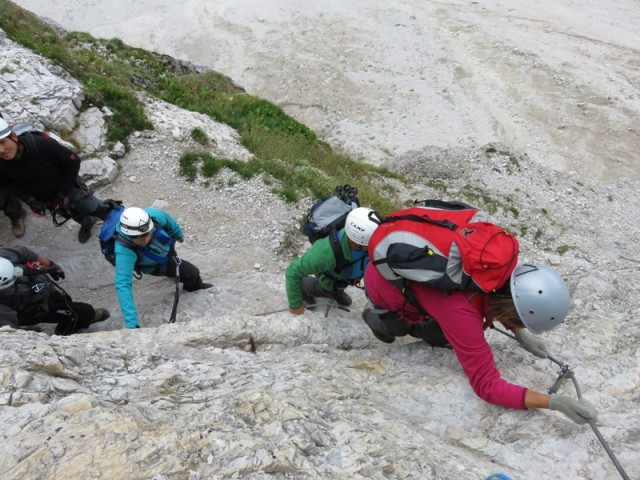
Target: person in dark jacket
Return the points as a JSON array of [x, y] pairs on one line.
[[313, 274], [12, 208], [44, 174], [29, 295]]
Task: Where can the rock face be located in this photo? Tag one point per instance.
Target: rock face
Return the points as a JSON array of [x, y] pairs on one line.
[[36, 90], [227, 394]]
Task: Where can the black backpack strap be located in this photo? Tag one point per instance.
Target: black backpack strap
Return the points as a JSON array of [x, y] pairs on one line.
[[334, 241], [409, 296], [424, 219]]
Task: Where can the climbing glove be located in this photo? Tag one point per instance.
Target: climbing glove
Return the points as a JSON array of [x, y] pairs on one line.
[[55, 271], [579, 410], [531, 343]]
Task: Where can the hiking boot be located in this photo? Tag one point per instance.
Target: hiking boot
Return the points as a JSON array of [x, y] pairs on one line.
[[85, 230], [342, 298], [383, 338], [380, 336], [84, 234], [429, 331], [100, 315], [202, 286], [18, 226]]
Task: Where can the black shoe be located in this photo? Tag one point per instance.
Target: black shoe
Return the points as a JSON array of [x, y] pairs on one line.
[[342, 298], [100, 315], [84, 234], [429, 331], [380, 336], [202, 286], [384, 338]]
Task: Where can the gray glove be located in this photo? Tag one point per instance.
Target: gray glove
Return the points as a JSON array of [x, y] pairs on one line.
[[531, 343], [580, 411]]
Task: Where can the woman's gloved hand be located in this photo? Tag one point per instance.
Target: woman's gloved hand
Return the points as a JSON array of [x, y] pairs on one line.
[[580, 411]]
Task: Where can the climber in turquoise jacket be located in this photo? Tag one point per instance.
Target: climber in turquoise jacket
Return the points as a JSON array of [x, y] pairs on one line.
[[146, 241]]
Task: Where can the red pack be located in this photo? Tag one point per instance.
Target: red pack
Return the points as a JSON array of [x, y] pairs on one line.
[[448, 245]]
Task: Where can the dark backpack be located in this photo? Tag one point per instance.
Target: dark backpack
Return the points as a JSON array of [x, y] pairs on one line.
[[327, 217], [447, 245]]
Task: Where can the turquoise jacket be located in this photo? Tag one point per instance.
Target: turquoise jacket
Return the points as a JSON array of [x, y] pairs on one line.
[[165, 232], [321, 262]]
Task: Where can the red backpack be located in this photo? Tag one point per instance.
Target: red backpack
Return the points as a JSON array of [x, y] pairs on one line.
[[448, 245]]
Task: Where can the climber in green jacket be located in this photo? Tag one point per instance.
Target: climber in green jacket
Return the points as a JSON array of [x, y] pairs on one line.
[[318, 273]]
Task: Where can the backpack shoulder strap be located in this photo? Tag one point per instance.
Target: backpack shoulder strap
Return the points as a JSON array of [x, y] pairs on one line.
[[334, 241]]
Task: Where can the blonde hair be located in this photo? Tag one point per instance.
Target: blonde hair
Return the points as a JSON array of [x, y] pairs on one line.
[[502, 309]]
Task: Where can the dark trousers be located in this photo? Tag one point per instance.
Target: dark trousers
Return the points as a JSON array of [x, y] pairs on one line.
[[71, 320], [311, 287], [83, 206], [68, 317], [10, 205], [189, 274]]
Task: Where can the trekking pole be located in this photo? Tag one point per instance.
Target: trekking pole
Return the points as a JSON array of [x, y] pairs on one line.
[[329, 304], [174, 309], [566, 372]]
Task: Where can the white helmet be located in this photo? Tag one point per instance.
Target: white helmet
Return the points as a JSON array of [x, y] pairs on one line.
[[135, 221], [5, 128], [541, 297], [7, 273], [360, 225]]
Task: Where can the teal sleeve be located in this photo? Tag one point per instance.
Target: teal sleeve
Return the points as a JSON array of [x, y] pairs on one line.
[[125, 264], [167, 222]]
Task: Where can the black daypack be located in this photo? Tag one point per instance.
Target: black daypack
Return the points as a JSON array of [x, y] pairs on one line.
[[327, 217]]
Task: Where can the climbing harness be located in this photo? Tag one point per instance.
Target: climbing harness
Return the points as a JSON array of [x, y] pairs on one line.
[[564, 373]]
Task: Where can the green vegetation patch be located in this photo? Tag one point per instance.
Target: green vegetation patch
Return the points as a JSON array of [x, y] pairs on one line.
[[114, 74]]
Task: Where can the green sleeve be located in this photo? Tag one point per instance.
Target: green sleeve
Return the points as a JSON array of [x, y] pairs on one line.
[[318, 259]]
